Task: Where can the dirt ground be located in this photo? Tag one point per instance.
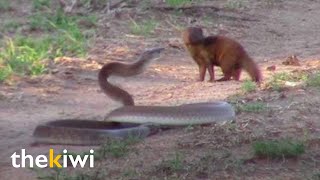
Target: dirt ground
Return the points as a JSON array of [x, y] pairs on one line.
[[269, 30]]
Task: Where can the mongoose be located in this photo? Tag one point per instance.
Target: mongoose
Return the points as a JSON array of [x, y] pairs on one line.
[[221, 51]]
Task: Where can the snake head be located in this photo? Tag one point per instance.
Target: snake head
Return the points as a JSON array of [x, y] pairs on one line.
[[152, 53]]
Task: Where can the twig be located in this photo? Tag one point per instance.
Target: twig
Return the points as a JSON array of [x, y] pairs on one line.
[[116, 4], [70, 8], [185, 7], [65, 7], [177, 29], [110, 6]]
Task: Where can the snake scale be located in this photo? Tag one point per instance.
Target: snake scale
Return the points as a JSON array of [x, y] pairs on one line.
[[126, 119]]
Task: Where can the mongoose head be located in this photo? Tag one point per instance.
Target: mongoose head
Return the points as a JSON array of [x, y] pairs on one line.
[[192, 35]]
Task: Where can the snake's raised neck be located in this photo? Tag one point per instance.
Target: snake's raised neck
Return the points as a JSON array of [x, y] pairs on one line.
[[124, 70]]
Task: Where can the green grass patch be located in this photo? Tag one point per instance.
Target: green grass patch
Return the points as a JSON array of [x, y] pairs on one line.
[[11, 26], [70, 43], [67, 38], [39, 21], [278, 148], [176, 162], [236, 4], [278, 80], [316, 176], [252, 107], [314, 80], [21, 59], [90, 19], [27, 55], [145, 28], [172, 164], [63, 174], [177, 3], [130, 173], [116, 148], [283, 76], [248, 86], [5, 5], [40, 4], [54, 21], [5, 72]]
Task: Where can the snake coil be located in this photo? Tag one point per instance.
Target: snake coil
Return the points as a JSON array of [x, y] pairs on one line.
[[130, 119]]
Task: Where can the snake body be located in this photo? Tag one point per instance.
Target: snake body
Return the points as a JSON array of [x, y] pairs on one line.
[[84, 132], [218, 112]]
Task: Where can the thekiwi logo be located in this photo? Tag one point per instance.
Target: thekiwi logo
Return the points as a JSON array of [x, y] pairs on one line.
[[52, 160]]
